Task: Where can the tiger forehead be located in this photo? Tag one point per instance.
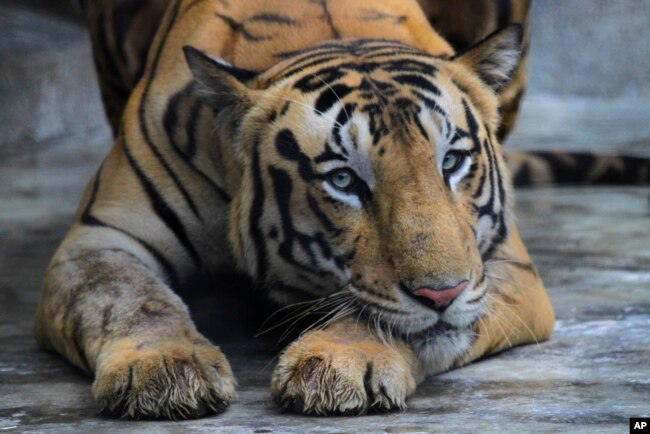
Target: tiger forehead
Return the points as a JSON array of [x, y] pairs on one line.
[[345, 56], [382, 82], [375, 90]]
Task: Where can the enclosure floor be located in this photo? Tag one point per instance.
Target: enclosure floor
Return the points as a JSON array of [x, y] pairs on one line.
[[592, 247]]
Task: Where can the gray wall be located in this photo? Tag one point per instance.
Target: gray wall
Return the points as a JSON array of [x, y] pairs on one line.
[[591, 48]]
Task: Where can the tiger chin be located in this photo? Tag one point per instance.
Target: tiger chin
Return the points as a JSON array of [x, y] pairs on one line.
[[342, 160]]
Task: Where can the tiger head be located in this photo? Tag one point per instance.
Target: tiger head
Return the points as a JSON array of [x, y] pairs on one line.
[[368, 168]]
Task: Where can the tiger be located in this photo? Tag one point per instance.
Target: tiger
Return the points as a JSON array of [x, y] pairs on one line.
[[339, 152]]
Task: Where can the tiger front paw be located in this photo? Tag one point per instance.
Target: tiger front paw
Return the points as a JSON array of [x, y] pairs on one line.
[[319, 376], [167, 380]]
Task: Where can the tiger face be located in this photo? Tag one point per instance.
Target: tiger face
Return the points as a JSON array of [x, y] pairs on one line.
[[369, 168]]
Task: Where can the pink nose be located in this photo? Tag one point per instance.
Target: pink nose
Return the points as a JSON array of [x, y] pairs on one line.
[[441, 297]]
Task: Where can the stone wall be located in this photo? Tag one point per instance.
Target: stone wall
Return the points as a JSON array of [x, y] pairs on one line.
[[591, 48]]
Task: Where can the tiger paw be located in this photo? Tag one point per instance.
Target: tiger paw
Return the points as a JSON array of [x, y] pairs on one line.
[[163, 380], [318, 376]]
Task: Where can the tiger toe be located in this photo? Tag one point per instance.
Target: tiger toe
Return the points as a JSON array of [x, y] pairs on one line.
[[163, 381], [326, 378]]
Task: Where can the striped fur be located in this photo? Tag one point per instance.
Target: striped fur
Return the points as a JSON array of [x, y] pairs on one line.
[[227, 155], [122, 32]]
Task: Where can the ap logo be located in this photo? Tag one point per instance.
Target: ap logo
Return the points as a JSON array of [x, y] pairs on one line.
[[640, 425]]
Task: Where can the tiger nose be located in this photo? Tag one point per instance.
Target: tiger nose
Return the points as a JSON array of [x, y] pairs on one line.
[[440, 297]]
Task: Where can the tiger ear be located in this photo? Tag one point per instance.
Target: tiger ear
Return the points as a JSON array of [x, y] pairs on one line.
[[218, 83], [495, 58]]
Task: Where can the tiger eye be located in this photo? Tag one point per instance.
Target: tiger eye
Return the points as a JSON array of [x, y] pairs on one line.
[[342, 179], [452, 160]]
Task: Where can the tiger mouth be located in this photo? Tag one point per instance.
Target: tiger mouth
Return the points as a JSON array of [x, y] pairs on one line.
[[439, 328], [426, 333]]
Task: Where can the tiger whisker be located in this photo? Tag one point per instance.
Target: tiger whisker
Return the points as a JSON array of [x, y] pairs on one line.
[[512, 311], [283, 308], [322, 305], [498, 323], [340, 315], [293, 325], [311, 306], [503, 279], [506, 261], [327, 318]]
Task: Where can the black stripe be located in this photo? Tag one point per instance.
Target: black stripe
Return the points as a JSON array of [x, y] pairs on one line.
[[330, 96], [190, 128], [477, 298], [319, 79], [287, 146], [300, 67], [502, 231], [89, 220], [93, 194], [418, 82], [273, 18], [400, 51], [500, 186], [577, 167], [310, 52], [488, 208], [410, 65], [255, 217], [503, 13], [481, 184], [523, 175], [76, 337], [327, 16], [322, 217], [472, 126], [282, 189], [328, 155], [163, 210], [431, 104], [142, 112], [241, 28], [418, 123], [170, 125], [168, 269]]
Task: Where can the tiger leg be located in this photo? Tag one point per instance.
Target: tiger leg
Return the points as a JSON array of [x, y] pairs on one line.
[[108, 312], [108, 307], [518, 308], [344, 369]]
